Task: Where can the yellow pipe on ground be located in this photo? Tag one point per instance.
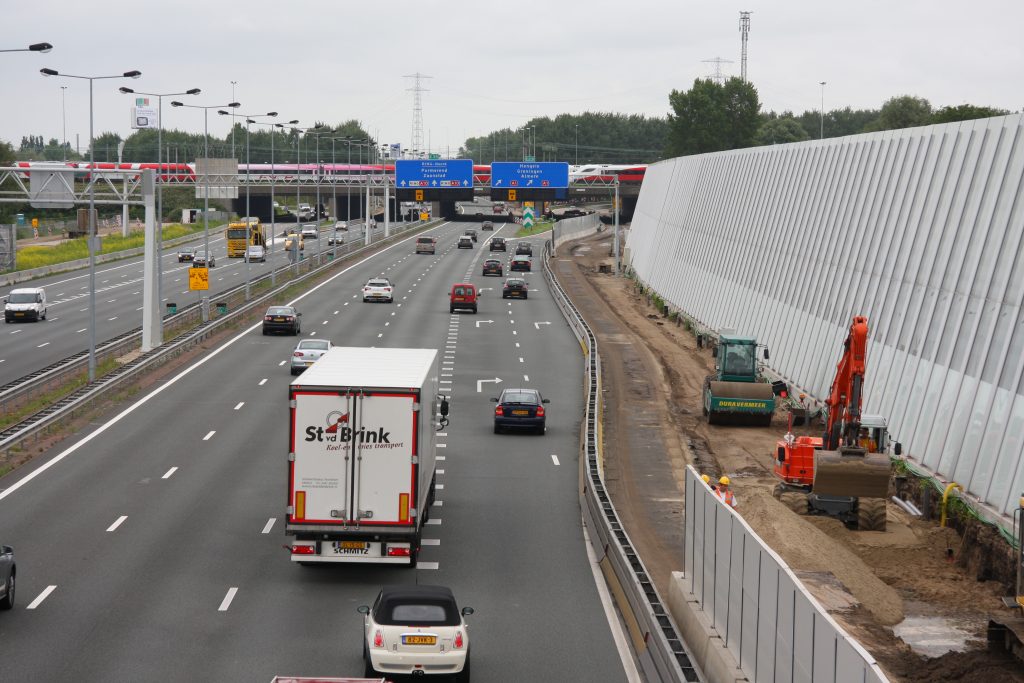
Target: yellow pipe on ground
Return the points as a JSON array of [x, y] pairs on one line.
[[945, 500]]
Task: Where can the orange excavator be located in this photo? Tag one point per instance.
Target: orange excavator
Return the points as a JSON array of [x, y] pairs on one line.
[[845, 472]]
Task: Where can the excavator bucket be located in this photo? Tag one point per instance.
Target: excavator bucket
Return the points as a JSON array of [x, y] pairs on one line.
[[851, 472], [749, 403]]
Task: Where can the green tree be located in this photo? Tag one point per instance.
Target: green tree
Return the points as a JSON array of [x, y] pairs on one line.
[[711, 117], [903, 111], [777, 131], [965, 112]]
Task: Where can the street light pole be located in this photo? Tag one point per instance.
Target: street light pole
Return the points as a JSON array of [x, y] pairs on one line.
[[822, 84], [92, 238], [64, 122], [577, 163], [206, 181], [36, 47]]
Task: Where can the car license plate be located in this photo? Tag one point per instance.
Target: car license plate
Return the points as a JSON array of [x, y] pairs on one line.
[[419, 640], [278, 320], [520, 412]]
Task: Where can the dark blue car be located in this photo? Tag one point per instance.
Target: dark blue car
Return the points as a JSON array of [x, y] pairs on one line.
[[520, 409]]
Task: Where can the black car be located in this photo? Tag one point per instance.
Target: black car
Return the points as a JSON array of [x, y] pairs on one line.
[[492, 266], [282, 319], [524, 249], [8, 572], [199, 260], [520, 263], [186, 255], [520, 409], [498, 244], [487, 225], [515, 288]]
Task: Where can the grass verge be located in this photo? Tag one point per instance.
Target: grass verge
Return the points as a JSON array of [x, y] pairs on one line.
[[49, 398], [74, 249], [538, 227]]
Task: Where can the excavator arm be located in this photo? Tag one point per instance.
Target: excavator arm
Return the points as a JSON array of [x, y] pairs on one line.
[[844, 400]]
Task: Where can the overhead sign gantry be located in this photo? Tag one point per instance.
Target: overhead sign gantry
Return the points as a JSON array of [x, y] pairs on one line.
[[419, 180], [528, 180]]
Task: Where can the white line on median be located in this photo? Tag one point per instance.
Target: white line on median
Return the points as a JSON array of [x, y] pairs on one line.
[[210, 435], [239, 406], [270, 525], [117, 523], [42, 596], [169, 473], [554, 459], [226, 602], [263, 381], [526, 378]]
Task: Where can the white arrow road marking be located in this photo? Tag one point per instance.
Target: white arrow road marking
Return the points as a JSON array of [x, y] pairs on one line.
[[483, 321], [42, 596], [480, 383], [537, 325]]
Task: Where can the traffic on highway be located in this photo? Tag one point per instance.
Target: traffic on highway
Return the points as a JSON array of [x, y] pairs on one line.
[[175, 507]]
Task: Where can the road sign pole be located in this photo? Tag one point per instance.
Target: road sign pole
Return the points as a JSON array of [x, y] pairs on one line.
[[617, 264]]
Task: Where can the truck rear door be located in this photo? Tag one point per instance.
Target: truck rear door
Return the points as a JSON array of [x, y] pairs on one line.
[[384, 487], [320, 479]]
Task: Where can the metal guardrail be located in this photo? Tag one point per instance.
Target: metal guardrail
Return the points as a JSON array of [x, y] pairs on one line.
[[37, 381], [659, 650]]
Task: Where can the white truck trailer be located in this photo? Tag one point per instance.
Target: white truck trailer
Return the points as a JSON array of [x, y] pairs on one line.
[[362, 455]]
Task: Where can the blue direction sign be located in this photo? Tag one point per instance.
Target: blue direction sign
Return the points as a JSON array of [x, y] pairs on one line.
[[529, 174], [433, 174]]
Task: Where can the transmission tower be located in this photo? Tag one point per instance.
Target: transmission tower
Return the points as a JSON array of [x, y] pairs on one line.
[[417, 110], [744, 32], [718, 77]]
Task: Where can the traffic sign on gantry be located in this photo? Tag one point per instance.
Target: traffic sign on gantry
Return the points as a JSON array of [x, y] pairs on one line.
[[519, 180], [434, 179]]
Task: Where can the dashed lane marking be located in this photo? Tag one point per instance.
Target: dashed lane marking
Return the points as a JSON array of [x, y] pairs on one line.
[[269, 525], [169, 473], [210, 435], [118, 522], [554, 459], [226, 602], [42, 596]]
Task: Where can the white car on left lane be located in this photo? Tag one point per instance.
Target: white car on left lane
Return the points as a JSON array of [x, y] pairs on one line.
[[307, 352]]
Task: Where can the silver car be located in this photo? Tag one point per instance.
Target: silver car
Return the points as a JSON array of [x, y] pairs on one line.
[[8, 571], [308, 352], [256, 252]]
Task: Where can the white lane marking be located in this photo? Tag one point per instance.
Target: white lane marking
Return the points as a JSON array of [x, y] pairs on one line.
[[263, 381], [380, 335], [432, 521], [16, 332], [324, 322], [441, 458], [513, 332], [439, 487], [438, 503], [346, 303], [270, 525], [526, 378], [282, 363], [43, 344], [441, 434], [209, 436], [112, 301], [174, 380], [110, 320], [441, 445], [169, 473], [239, 406], [42, 596], [312, 334], [226, 602], [446, 381], [139, 308], [439, 471], [53, 319], [521, 360], [554, 459], [517, 345], [117, 523], [447, 374], [430, 541], [428, 565], [336, 313]]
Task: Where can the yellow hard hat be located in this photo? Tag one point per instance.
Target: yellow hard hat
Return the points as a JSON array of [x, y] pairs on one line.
[[724, 481], [707, 480]]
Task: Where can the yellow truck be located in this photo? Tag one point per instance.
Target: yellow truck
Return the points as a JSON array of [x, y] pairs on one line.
[[241, 234]]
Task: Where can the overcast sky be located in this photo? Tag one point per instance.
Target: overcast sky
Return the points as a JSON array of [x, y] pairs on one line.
[[494, 64]]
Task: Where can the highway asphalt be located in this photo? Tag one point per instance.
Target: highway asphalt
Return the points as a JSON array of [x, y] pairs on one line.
[[29, 346], [149, 546]]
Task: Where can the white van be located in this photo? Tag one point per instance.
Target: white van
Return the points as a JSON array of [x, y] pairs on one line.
[[28, 303]]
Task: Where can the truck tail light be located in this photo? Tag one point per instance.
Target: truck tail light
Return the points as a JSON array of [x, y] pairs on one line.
[[303, 550], [540, 411], [459, 641], [399, 552]]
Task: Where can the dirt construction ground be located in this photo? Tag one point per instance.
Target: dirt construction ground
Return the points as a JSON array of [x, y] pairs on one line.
[[872, 582]]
